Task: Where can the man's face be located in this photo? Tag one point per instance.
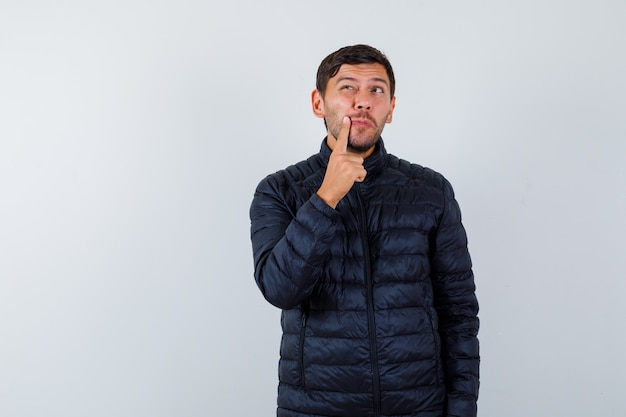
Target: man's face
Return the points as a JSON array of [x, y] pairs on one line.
[[362, 93]]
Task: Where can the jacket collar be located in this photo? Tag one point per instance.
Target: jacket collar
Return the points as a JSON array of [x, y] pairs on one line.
[[372, 164]]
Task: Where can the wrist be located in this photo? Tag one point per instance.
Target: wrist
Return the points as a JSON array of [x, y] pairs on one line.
[[326, 199]]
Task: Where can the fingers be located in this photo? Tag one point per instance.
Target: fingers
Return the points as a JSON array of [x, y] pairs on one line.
[[343, 170], [342, 140]]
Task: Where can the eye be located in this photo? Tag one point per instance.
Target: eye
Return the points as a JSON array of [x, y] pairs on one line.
[[377, 90]]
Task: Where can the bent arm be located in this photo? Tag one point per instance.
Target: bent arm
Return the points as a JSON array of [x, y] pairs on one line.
[[457, 308], [289, 248]]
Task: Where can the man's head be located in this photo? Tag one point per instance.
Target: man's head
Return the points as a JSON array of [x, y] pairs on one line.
[[358, 82]]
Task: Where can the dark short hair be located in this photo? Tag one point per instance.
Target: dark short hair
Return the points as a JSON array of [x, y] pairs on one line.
[[352, 55]]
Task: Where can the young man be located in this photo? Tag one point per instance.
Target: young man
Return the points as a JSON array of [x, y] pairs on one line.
[[366, 256]]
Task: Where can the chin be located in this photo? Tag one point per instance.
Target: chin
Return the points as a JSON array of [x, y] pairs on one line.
[[361, 146]]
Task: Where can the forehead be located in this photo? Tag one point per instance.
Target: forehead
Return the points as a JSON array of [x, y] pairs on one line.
[[362, 72]]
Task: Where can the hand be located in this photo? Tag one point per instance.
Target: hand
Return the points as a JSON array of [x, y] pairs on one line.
[[343, 170]]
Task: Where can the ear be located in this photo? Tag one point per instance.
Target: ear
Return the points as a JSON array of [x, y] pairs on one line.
[[391, 108], [318, 104]]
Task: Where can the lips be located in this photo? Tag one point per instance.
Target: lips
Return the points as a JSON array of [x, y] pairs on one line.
[[362, 122]]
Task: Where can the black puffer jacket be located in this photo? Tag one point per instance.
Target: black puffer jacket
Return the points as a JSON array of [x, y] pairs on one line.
[[379, 313]]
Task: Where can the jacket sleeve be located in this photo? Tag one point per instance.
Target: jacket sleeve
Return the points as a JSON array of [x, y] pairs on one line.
[[457, 309], [289, 248]]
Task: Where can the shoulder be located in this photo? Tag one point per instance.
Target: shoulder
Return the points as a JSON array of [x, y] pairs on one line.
[[292, 177], [415, 174]]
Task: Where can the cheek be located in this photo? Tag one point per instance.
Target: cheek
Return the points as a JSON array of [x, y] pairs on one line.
[[339, 104], [386, 113]]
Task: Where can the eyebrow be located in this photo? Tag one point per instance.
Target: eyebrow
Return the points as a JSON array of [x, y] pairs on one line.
[[376, 79]]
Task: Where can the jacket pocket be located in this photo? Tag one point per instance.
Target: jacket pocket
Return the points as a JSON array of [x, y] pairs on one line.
[[305, 315], [437, 344]]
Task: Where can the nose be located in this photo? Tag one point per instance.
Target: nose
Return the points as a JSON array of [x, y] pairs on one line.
[[361, 101]]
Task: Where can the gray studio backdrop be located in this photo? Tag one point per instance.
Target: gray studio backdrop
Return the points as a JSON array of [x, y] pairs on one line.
[[133, 134]]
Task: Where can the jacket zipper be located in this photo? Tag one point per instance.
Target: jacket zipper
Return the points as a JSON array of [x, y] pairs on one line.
[[305, 314], [371, 323]]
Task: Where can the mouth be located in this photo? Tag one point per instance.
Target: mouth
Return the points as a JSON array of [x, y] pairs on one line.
[[362, 122]]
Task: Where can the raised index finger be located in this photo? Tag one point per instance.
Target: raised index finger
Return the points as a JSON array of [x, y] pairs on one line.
[[342, 141]]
